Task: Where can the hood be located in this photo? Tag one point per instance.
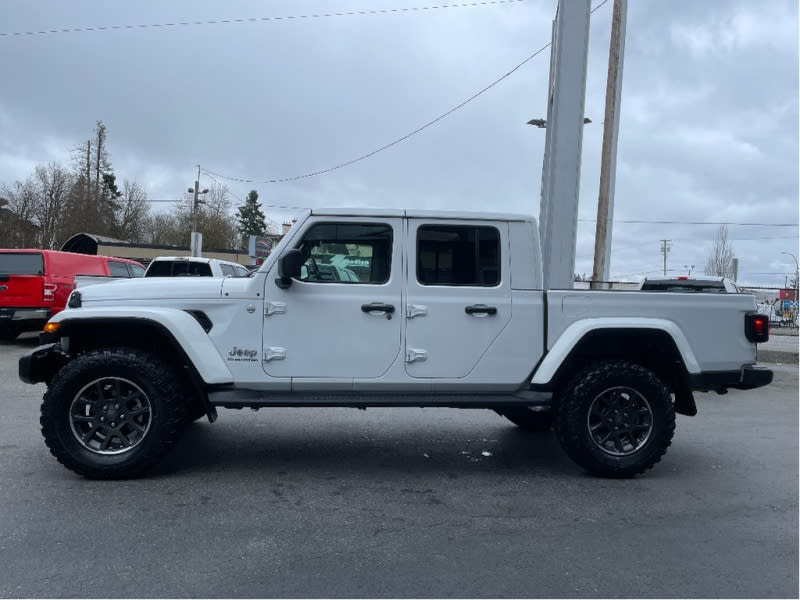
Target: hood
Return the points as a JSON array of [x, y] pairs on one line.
[[154, 288]]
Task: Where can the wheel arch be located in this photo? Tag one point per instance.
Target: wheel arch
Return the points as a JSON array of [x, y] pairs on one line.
[[84, 334], [654, 348]]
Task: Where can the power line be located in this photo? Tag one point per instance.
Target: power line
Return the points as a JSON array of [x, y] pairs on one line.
[[398, 140], [261, 19], [642, 221]]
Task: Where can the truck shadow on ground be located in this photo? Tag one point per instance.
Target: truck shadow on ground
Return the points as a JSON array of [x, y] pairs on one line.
[[361, 451]]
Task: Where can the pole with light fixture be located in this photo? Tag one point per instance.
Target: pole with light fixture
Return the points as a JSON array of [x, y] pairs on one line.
[[196, 242], [796, 282]]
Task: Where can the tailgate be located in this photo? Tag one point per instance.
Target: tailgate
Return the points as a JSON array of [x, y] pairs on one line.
[[21, 291]]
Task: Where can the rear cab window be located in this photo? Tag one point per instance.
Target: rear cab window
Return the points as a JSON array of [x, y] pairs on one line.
[[21, 263]]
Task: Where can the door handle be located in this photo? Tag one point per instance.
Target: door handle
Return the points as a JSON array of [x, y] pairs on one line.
[[377, 307], [480, 309]]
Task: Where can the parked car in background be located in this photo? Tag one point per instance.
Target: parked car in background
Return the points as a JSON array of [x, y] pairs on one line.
[[35, 284], [194, 266], [700, 283]]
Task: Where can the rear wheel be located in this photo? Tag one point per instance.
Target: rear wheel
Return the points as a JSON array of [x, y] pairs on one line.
[[527, 418], [112, 413], [616, 419]]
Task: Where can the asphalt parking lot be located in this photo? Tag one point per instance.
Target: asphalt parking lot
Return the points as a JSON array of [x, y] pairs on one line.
[[406, 503]]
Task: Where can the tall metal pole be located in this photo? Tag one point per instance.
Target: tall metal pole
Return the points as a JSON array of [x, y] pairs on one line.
[[561, 169], [665, 249], [608, 161]]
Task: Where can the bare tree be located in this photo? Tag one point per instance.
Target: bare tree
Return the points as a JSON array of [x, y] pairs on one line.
[[214, 220], [720, 260], [52, 184], [18, 228], [131, 212]]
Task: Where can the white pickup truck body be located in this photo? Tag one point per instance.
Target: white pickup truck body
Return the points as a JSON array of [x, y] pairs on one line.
[[448, 311]]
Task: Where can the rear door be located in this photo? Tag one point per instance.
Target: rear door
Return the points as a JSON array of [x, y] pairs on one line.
[[459, 294]]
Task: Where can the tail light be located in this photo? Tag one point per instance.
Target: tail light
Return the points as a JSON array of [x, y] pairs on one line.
[[49, 292], [756, 327]]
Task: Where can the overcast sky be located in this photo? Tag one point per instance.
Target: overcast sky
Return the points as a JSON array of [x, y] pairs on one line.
[[708, 130]]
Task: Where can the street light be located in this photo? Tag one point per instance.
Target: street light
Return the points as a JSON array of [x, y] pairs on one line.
[[542, 123], [195, 243]]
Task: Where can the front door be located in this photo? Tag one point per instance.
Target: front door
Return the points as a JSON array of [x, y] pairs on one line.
[[459, 295], [341, 318]]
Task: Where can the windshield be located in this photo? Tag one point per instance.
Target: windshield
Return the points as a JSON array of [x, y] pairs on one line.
[[21, 263]]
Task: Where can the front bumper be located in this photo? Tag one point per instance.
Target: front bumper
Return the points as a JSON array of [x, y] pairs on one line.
[[746, 378], [41, 363]]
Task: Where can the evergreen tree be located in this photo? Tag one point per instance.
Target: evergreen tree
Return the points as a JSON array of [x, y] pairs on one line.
[[249, 218]]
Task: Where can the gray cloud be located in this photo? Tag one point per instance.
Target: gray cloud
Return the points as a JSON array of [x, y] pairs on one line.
[[709, 126]]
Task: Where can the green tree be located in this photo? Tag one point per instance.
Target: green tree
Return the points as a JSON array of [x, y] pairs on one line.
[[250, 220], [93, 198]]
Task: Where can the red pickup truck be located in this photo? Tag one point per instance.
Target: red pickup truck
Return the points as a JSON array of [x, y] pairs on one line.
[[35, 284]]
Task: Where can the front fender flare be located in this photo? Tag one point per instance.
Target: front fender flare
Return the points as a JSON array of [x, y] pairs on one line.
[[182, 327]]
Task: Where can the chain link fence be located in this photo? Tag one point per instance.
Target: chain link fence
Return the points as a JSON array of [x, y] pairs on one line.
[[781, 307]]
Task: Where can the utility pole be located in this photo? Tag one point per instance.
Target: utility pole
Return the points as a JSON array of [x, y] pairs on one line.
[[665, 247], [608, 161], [196, 242]]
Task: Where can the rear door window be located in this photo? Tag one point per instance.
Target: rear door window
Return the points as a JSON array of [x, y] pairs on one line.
[[458, 255], [21, 263], [118, 268]]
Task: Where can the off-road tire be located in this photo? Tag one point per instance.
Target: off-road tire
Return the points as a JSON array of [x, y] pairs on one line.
[[624, 403], [527, 419], [85, 387]]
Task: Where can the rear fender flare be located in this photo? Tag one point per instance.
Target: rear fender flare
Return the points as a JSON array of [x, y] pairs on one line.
[[573, 334]]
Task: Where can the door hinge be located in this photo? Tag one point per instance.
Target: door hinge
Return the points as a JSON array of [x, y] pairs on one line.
[[416, 355], [272, 308], [274, 353], [416, 310]]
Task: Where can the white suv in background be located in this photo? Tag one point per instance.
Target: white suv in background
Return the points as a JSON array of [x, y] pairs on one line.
[[194, 266]]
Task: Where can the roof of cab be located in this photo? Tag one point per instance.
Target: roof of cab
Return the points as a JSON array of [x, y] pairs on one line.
[[418, 214]]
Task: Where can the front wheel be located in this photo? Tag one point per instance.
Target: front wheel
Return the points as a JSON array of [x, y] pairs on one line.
[[112, 413], [615, 419]]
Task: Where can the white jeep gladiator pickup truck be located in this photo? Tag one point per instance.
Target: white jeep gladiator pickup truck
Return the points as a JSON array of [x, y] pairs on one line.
[[436, 309]]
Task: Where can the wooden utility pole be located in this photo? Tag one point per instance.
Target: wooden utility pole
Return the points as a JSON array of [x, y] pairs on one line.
[[665, 248], [608, 161], [196, 241]]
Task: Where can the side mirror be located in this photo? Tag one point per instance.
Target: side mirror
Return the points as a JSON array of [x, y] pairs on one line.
[[288, 267]]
